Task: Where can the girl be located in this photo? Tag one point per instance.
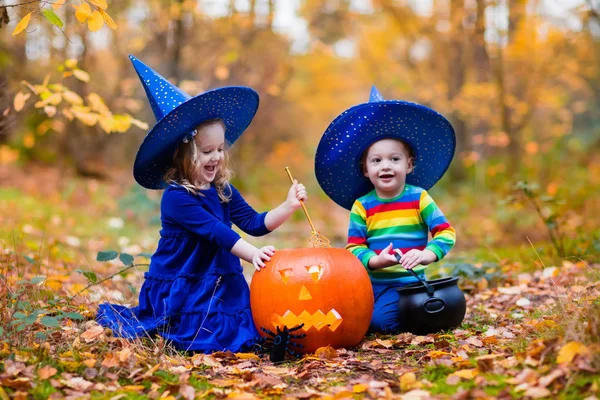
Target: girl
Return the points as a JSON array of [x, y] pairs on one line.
[[195, 294]]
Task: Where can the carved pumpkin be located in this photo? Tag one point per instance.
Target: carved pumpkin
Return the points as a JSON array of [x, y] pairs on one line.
[[326, 289]]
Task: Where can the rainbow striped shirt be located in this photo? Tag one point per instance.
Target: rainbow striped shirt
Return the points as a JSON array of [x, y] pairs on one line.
[[403, 221]]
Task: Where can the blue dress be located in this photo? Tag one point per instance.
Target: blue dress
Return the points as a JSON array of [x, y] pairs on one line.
[[195, 294]]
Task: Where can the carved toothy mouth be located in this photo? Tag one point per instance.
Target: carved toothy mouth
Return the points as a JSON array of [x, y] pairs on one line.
[[318, 320]]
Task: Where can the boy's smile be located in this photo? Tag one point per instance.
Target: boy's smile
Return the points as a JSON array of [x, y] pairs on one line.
[[387, 163]]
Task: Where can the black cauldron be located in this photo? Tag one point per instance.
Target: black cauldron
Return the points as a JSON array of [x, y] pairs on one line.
[[431, 306]]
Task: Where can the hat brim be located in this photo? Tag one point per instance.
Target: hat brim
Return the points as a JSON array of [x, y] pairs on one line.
[[337, 160], [236, 106]]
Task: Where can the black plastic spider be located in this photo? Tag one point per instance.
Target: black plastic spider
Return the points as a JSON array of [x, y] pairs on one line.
[[278, 344]]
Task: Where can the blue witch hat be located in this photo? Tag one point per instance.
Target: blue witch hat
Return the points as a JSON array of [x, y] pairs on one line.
[[177, 114], [337, 160]]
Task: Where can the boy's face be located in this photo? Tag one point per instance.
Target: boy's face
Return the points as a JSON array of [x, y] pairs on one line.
[[386, 165]]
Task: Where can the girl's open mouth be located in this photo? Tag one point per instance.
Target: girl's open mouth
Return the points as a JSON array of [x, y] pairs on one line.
[[210, 168], [386, 176]]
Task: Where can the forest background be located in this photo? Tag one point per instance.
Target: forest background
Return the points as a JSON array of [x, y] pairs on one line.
[[518, 79]]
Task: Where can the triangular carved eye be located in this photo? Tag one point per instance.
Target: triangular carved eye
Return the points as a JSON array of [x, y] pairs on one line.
[[315, 272], [285, 274]]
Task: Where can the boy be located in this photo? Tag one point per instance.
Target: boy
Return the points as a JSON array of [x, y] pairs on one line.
[[378, 159]]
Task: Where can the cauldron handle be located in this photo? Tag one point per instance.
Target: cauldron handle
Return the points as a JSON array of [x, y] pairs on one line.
[[430, 290]]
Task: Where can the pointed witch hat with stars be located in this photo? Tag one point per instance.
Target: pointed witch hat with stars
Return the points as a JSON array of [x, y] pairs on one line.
[[337, 160], [178, 114]]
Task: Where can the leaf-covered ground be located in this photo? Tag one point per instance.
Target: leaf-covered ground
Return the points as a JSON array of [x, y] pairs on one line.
[[532, 328]]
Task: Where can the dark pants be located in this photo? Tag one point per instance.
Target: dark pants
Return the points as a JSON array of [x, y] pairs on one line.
[[385, 311]]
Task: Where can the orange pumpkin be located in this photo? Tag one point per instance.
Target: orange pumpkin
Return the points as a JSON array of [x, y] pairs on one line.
[[326, 289]]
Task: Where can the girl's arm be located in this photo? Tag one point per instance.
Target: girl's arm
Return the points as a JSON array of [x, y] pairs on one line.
[[251, 254], [280, 214]]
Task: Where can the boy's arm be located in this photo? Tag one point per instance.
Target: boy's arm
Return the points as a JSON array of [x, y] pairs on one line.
[[443, 235], [357, 234]]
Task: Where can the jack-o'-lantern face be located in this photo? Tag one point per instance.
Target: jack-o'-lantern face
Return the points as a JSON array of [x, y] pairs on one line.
[[328, 290]]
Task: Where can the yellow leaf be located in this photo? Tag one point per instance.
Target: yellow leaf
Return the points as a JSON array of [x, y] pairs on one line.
[[95, 22], [106, 123], [326, 353], [359, 388], [83, 12], [466, 373], [247, 356], [20, 100], [109, 21], [71, 63], [569, 351], [87, 118], [68, 114], [99, 3], [8, 156], [97, 104], [81, 75], [57, 4], [72, 97], [408, 381], [22, 24], [28, 141], [46, 372], [54, 99], [50, 111], [121, 123]]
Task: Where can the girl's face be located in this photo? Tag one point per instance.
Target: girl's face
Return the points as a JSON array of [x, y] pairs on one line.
[[387, 163], [210, 141]]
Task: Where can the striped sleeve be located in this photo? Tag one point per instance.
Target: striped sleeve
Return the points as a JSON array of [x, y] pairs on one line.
[[357, 234], [443, 235]]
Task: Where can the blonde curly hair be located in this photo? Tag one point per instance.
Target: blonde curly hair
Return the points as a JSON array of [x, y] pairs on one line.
[[184, 171]]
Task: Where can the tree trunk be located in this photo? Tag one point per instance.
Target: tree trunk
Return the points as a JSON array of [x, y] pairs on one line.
[[456, 80], [178, 38]]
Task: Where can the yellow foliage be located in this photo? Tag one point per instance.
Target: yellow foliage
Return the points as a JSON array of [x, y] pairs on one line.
[[108, 20], [359, 388], [57, 4], [97, 104], [570, 350], [87, 118], [28, 140], [20, 100], [72, 97], [81, 75], [83, 12], [22, 24], [8, 155], [96, 21], [99, 3]]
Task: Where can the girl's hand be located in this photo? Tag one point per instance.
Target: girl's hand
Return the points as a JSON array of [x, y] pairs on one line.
[[296, 194], [261, 255], [414, 257], [384, 259]]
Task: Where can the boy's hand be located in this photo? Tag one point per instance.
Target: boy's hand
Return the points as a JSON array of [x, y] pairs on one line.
[[261, 255], [296, 194], [384, 259], [414, 257]]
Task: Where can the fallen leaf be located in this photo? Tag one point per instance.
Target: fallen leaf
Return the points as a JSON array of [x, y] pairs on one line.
[[326, 353], [537, 392], [46, 372], [408, 381], [569, 351], [359, 388], [92, 333]]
